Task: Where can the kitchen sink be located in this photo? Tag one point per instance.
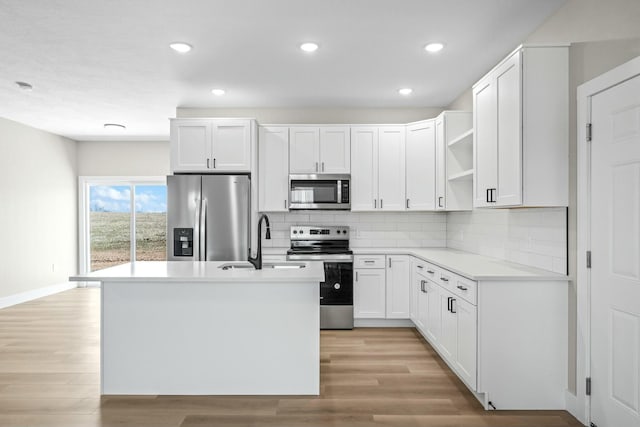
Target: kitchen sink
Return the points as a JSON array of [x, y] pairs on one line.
[[265, 265]]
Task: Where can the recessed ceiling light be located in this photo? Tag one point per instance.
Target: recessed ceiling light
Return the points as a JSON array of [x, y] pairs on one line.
[[309, 47], [218, 92], [405, 91], [433, 47], [24, 86], [181, 47], [114, 126]]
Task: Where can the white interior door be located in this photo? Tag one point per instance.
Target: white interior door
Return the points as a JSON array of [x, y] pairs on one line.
[[615, 246]]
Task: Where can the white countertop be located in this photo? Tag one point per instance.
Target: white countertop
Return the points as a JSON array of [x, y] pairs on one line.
[[202, 271], [470, 265]]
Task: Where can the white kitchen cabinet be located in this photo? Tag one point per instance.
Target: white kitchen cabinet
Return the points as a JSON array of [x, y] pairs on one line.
[[318, 150], [466, 345], [520, 125], [211, 145], [369, 289], [454, 161], [398, 284], [432, 318], [273, 169], [378, 169], [421, 166]]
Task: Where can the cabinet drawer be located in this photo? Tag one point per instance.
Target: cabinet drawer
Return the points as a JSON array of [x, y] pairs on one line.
[[426, 270], [369, 261], [464, 288]]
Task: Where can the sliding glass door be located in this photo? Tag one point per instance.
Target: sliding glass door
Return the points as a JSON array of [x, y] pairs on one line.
[[123, 220]]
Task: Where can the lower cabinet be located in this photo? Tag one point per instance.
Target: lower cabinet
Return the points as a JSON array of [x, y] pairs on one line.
[[381, 288]]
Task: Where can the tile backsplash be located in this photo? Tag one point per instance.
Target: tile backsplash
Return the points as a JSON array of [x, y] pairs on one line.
[[535, 237], [368, 229]]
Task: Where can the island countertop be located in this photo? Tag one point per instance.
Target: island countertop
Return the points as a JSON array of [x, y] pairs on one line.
[[202, 271]]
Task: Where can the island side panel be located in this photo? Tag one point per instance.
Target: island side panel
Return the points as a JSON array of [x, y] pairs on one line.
[[210, 338], [522, 343]]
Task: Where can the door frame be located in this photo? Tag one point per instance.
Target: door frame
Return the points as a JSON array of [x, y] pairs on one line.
[[580, 404]]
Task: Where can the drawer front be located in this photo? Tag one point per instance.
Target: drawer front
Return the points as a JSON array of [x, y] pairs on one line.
[[369, 261], [427, 270], [464, 288]]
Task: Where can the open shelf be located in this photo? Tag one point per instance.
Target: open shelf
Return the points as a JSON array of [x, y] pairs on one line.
[[465, 138], [462, 176]]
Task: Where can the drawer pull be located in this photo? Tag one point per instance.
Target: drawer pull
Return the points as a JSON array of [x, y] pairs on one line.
[[430, 271], [420, 267], [369, 261], [462, 288], [444, 279]]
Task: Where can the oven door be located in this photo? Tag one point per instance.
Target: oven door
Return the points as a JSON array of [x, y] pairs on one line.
[[337, 288]]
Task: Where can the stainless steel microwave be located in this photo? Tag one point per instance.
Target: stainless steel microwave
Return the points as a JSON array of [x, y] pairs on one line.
[[320, 192]]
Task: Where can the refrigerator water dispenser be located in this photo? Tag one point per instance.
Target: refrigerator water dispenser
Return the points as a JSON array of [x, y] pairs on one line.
[[183, 242]]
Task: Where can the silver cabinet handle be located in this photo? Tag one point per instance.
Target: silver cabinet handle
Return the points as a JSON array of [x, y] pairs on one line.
[[440, 202], [420, 267], [462, 288], [407, 203], [356, 276], [430, 271], [322, 166], [421, 285], [452, 307], [369, 261], [375, 203], [389, 262], [444, 279], [316, 166], [214, 162], [380, 203], [285, 204], [208, 163]]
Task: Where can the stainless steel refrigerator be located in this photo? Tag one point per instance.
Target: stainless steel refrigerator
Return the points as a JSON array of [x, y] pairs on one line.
[[208, 217]]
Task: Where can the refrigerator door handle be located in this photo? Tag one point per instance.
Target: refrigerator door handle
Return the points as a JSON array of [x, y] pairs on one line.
[[196, 233], [203, 230]]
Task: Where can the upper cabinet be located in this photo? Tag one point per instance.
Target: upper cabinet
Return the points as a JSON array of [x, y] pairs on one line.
[[454, 161], [521, 133], [211, 145], [273, 169], [421, 166], [318, 150], [378, 170]]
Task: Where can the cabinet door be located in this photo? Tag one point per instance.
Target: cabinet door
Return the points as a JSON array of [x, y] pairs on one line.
[[391, 167], [449, 327], [304, 150], [467, 332], [335, 150], [485, 145], [231, 146], [190, 145], [414, 314], [273, 169], [369, 294], [420, 166], [509, 113], [432, 318], [398, 286], [364, 170], [441, 164]]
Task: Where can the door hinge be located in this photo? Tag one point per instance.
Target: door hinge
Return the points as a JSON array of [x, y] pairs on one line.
[[588, 386], [588, 259], [589, 132]]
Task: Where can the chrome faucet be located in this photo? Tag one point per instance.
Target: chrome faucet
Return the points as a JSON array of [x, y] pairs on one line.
[[257, 261]]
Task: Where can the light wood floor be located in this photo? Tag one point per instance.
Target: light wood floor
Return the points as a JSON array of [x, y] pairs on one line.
[[49, 377]]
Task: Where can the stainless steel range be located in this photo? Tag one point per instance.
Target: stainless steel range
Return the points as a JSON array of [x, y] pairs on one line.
[[331, 245]]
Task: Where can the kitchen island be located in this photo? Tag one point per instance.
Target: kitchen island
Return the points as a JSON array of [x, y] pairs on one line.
[[209, 328]]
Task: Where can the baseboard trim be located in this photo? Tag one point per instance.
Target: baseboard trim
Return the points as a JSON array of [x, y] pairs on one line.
[[10, 300], [382, 323]]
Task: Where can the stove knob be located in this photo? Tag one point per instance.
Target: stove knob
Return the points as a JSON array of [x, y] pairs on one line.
[[338, 231], [295, 232], [336, 286], [344, 231]]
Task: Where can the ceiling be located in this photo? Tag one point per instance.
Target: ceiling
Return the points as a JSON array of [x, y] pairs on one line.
[[108, 61]]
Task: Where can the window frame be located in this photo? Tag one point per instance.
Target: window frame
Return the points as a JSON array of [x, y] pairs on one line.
[[84, 184]]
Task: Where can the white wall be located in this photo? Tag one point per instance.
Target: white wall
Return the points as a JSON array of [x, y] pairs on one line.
[[123, 158], [317, 115], [38, 208], [368, 229]]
